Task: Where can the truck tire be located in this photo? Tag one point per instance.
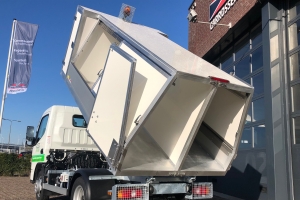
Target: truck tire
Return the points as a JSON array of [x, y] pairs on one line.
[[40, 193], [79, 190]]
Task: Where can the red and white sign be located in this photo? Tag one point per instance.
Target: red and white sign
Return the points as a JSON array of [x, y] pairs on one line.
[[217, 10]]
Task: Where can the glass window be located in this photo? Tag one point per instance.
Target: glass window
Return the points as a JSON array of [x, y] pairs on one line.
[[294, 35], [258, 109], [294, 9], [274, 24], [258, 84], [229, 70], [246, 141], [257, 59], [294, 66], [296, 97], [42, 127], [259, 136], [79, 121], [216, 63], [297, 129], [226, 42], [243, 67], [241, 48], [249, 114], [256, 37], [226, 60], [248, 81]]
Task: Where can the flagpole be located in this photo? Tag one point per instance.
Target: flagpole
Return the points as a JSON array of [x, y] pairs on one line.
[[7, 71]]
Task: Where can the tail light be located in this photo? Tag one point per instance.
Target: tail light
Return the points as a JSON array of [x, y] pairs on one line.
[[221, 80], [201, 191], [131, 191]]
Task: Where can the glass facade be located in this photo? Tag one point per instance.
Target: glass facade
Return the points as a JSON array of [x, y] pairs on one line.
[[296, 98], [246, 141], [270, 141], [245, 60], [296, 127], [259, 136], [294, 66]]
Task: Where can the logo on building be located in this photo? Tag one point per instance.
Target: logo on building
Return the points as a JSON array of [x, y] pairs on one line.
[[217, 10]]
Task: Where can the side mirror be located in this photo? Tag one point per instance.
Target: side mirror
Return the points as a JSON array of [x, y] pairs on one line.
[[29, 145], [30, 133]]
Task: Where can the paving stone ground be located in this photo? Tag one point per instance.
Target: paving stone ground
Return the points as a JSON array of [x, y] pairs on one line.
[[19, 188]]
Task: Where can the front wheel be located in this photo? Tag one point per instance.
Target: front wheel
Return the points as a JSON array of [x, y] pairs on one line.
[[40, 193], [79, 190]]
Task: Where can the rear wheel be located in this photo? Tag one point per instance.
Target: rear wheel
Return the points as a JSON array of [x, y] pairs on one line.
[[40, 193], [79, 190]]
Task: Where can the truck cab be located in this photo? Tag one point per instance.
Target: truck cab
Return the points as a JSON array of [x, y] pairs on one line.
[[61, 129]]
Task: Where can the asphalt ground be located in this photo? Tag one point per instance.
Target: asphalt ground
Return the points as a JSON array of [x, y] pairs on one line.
[[19, 188]]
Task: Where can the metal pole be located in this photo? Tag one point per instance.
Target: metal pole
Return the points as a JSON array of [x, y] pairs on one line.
[[229, 25], [7, 71], [11, 121]]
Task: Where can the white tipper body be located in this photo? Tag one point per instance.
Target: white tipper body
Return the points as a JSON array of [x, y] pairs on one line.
[[153, 108], [60, 134]]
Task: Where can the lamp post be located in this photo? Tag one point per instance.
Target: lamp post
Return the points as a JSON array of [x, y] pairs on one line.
[[11, 120]]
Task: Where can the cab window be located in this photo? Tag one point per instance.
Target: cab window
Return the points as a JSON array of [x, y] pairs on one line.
[[78, 121], [42, 127]]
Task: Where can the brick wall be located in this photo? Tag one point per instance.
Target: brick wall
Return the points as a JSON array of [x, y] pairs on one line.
[[201, 38]]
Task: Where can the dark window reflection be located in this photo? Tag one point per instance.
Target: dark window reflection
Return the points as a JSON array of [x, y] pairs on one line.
[[257, 59], [249, 114], [256, 36], [248, 81], [226, 60], [243, 67], [241, 48], [229, 70], [297, 130], [259, 137], [258, 84], [217, 63], [246, 141], [258, 109], [296, 97]]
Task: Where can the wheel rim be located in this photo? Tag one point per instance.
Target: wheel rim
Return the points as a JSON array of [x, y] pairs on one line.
[[38, 187], [79, 193]]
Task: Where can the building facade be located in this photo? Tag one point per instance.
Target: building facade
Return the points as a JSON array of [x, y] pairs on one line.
[[262, 48]]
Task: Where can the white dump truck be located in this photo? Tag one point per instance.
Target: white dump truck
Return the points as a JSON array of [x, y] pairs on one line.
[[153, 116]]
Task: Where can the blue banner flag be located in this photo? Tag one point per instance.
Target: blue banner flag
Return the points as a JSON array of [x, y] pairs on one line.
[[21, 57]]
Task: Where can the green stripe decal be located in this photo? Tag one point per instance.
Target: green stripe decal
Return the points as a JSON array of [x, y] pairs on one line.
[[38, 158]]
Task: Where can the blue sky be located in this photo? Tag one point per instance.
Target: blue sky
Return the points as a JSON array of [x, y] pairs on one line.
[[55, 20]]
